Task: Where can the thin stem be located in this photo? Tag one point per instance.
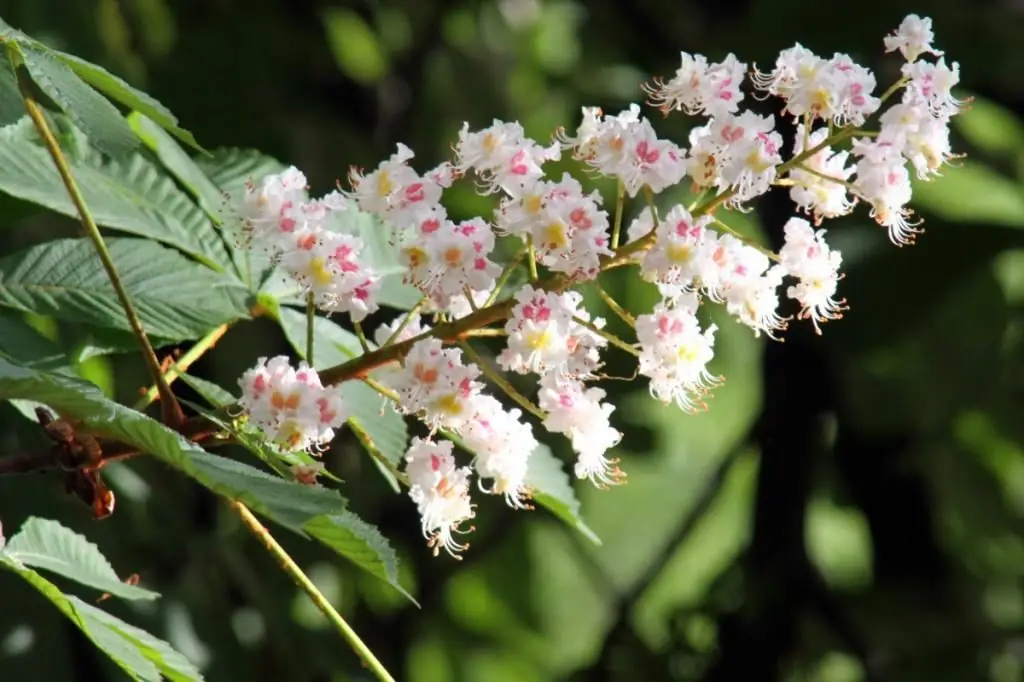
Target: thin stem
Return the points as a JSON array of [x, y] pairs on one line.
[[892, 90], [649, 196], [748, 241], [177, 369], [697, 199], [289, 566], [170, 409], [824, 176], [382, 389], [620, 201], [501, 382], [361, 335], [532, 255], [367, 441], [611, 338], [405, 322], [310, 326], [468, 293], [484, 332], [505, 275], [616, 308]]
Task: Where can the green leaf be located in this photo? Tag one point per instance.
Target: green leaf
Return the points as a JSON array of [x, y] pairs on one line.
[[379, 254], [42, 543], [23, 344], [209, 198], [991, 127], [333, 345], [131, 195], [174, 297], [142, 656], [228, 170], [972, 193], [180, 164], [360, 542], [119, 90], [295, 506], [354, 45], [385, 428], [209, 391], [100, 120], [11, 106], [553, 490]]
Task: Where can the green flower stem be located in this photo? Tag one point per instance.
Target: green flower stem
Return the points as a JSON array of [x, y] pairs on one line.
[[310, 326], [405, 323], [501, 382], [468, 293], [289, 566], [532, 255], [616, 308], [361, 335], [828, 178], [170, 409], [194, 353], [484, 332], [505, 275], [367, 441], [748, 241], [620, 202], [608, 336]]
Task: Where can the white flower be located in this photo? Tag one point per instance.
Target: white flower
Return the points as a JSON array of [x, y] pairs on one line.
[[807, 257], [701, 88], [675, 352], [626, 147], [834, 89], [290, 406], [933, 85], [327, 264], [394, 191], [441, 493], [819, 188], [435, 384], [674, 260], [503, 157], [913, 38], [544, 338], [577, 412], [503, 444]]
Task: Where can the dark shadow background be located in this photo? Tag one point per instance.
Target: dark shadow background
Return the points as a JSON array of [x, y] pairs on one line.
[[851, 506]]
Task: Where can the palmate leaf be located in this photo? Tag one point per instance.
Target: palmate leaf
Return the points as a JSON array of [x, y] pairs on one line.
[[86, 75], [183, 167], [313, 511], [130, 195], [47, 544], [553, 490], [91, 112], [135, 99], [175, 298], [11, 106], [42, 543], [228, 170]]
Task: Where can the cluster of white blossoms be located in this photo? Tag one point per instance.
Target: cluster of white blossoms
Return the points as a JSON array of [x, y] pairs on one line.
[[689, 253], [279, 219], [290, 406]]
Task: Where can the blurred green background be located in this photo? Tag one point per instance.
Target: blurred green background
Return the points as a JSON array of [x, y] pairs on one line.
[[850, 507]]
